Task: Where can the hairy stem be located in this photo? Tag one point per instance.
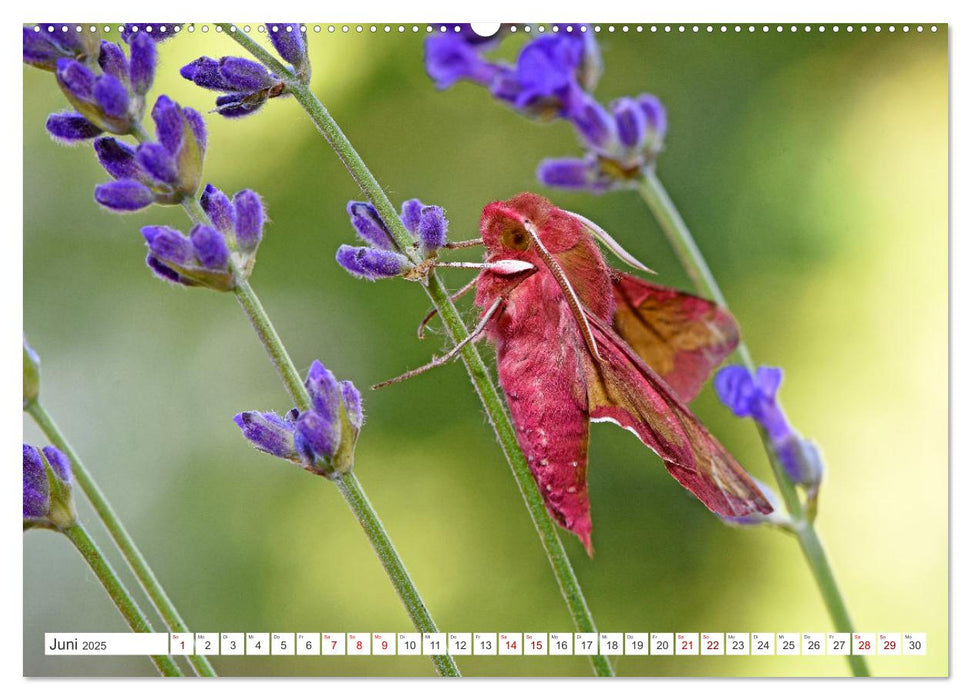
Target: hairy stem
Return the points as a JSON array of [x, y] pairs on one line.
[[481, 381], [117, 592], [348, 485], [695, 265], [119, 534]]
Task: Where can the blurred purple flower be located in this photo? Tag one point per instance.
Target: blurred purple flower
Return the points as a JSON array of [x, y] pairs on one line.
[[754, 397], [288, 40], [47, 489]]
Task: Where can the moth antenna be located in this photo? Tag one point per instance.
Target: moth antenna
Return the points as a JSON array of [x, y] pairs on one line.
[[454, 297], [451, 354], [471, 243], [612, 245], [572, 300]]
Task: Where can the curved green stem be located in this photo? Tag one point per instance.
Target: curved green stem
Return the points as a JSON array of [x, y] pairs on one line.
[[481, 381], [117, 592], [119, 534], [695, 265], [348, 485]]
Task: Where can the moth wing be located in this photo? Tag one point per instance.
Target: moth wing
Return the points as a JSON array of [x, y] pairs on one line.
[[680, 336], [623, 389], [547, 399]]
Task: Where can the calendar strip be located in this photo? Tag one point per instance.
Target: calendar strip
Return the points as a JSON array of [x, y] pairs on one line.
[[489, 644]]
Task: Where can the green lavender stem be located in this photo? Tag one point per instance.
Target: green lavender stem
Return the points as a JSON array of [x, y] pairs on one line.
[[116, 590], [484, 387], [348, 485], [126, 545], [695, 265]]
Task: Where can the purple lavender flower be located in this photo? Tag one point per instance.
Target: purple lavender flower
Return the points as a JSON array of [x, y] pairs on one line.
[[320, 439], [124, 195], [162, 172], [411, 215], [575, 174], [112, 101], [369, 226], [352, 404], [432, 231], [218, 208], [31, 375], [550, 74], [371, 263], [45, 44], [247, 84], [202, 259], [249, 220], [269, 433], [451, 57], [553, 77], [755, 398], [289, 42], [198, 260], [47, 489], [71, 128]]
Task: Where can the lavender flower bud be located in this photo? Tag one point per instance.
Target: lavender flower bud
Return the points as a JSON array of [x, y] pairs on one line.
[[204, 72], [123, 195], [157, 162], [352, 404], [595, 125], [218, 208], [755, 397], [168, 123], [75, 79], [249, 220], [197, 125], [244, 75], [113, 61], [269, 433], [39, 51], [112, 96], [801, 460], [164, 272], [411, 215], [31, 375], [47, 489], [657, 120], [450, 58], [320, 433], [168, 245], [210, 247], [71, 128], [289, 42], [323, 389], [369, 226], [432, 229], [631, 123], [35, 485], [143, 60], [371, 263]]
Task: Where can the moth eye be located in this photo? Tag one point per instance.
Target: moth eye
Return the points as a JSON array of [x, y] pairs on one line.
[[515, 238]]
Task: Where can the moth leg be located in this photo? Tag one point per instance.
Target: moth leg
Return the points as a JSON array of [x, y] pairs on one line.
[[455, 297], [472, 243], [451, 354]]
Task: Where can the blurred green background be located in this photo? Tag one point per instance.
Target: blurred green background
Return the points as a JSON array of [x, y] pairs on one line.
[[812, 169]]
